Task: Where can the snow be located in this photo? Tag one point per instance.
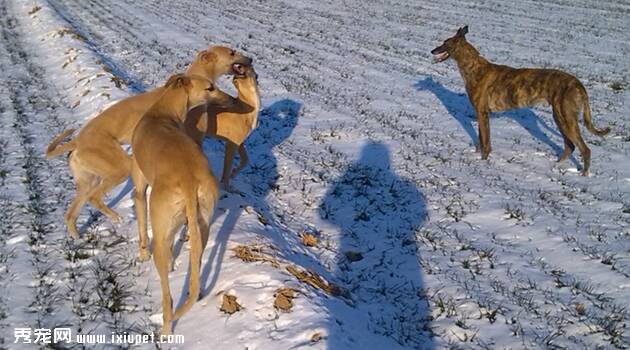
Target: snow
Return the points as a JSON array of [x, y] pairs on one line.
[[362, 142]]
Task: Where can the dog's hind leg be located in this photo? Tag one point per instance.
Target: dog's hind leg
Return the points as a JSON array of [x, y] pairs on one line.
[[576, 138], [244, 160], [230, 148], [140, 204], [207, 202], [162, 211], [85, 182], [570, 114], [569, 147], [113, 166], [96, 197], [97, 202], [161, 259]]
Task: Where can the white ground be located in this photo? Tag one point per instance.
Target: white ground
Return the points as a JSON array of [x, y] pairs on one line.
[[363, 142]]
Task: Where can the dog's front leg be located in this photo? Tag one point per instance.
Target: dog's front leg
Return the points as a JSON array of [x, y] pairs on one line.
[[230, 148], [484, 132], [244, 160]]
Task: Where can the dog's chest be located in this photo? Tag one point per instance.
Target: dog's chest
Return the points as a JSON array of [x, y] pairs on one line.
[[252, 122]]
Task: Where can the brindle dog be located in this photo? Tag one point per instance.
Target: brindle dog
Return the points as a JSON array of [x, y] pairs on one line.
[[495, 88]]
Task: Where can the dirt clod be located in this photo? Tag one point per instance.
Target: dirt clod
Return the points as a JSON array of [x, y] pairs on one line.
[[309, 240], [230, 305], [316, 337], [34, 9], [284, 299], [580, 309]]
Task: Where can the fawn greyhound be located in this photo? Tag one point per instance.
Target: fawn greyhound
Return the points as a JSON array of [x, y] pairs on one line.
[[98, 162], [182, 188], [495, 88], [232, 125]]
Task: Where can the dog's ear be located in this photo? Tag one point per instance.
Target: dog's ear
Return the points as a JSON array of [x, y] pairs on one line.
[[207, 56], [461, 32], [178, 81]]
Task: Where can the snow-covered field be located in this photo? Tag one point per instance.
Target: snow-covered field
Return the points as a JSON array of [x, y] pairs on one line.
[[364, 144]]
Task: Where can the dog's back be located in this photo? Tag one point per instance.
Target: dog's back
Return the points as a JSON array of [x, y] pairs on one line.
[[506, 87], [119, 120]]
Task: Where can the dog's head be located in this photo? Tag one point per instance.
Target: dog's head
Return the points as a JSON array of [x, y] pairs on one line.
[[220, 60], [200, 91], [450, 45]]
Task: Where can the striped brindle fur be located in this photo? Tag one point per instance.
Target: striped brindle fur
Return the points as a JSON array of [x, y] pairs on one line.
[[495, 88]]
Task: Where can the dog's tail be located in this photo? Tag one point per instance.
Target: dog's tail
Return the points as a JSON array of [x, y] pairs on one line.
[[54, 149], [196, 249], [587, 117]]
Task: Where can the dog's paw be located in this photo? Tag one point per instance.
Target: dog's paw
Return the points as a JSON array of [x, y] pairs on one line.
[[225, 186], [117, 219], [235, 172], [485, 153], [144, 255], [73, 234]]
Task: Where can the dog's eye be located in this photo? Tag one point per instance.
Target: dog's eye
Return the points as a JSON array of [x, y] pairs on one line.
[[210, 88], [232, 53]]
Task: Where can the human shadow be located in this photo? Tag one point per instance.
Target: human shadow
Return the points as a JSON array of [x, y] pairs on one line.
[[378, 213], [459, 107], [275, 124]]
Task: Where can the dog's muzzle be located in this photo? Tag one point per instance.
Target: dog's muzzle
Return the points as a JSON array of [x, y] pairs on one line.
[[439, 55], [239, 69]]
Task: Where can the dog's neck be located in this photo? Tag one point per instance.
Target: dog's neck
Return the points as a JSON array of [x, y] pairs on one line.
[[198, 68], [471, 64], [173, 105], [248, 93]]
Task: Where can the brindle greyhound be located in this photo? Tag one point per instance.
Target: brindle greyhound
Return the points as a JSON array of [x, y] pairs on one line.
[[495, 88]]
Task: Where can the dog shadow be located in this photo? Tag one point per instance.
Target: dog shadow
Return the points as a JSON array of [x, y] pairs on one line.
[[459, 107]]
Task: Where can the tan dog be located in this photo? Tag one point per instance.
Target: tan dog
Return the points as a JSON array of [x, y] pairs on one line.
[[182, 188], [496, 88], [232, 125], [97, 160]]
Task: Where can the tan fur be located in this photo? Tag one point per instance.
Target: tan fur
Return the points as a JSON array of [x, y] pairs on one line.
[[182, 188], [98, 162], [494, 88], [232, 125]]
